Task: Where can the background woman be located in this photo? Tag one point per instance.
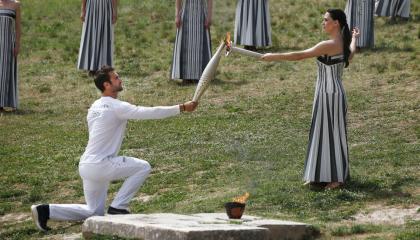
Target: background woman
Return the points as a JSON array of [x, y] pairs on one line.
[[393, 8], [252, 24], [192, 50], [97, 41], [9, 50], [327, 155], [360, 14]]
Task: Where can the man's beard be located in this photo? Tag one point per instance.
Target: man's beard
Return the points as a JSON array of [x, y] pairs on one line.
[[118, 89]]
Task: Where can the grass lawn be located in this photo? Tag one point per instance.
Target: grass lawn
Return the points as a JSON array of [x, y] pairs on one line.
[[249, 133]]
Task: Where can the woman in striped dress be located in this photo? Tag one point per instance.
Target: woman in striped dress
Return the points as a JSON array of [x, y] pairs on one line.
[[327, 155], [252, 24], [360, 14], [9, 50], [393, 8], [97, 41], [192, 50]]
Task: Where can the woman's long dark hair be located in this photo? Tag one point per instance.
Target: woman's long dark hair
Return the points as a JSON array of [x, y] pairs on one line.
[[340, 16]]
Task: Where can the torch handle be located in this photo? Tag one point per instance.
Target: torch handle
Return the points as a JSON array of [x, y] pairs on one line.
[[246, 52]]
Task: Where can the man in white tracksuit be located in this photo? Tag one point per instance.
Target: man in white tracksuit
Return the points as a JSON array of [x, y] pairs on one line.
[[100, 164]]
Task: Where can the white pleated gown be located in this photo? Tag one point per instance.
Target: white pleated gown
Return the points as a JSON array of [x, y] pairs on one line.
[[252, 23], [8, 63], [360, 14], [393, 8], [192, 49], [327, 155], [97, 41]]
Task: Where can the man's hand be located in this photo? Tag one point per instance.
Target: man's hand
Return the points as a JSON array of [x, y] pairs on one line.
[[189, 106]]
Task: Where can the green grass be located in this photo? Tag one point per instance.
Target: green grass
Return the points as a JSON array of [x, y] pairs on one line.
[[248, 134]]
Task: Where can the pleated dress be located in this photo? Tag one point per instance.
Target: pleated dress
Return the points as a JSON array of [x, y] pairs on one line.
[[97, 41], [327, 154], [192, 49], [360, 14], [392, 8], [8, 63], [252, 23]]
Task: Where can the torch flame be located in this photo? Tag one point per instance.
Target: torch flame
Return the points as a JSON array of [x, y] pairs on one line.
[[228, 43], [241, 199]]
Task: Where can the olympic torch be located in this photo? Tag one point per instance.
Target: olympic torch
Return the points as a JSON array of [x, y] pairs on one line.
[[208, 73], [230, 48]]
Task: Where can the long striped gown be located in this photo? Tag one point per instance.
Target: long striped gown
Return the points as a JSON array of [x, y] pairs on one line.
[[8, 63], [97, 41], [392, 8], [192, 50], [252, 23], [327, 154], [360, 14]]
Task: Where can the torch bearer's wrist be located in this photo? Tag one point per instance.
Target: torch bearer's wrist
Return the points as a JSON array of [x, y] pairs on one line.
[[182, 107]]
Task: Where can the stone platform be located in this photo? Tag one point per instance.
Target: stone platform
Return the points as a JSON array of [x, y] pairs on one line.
[[204, 226]]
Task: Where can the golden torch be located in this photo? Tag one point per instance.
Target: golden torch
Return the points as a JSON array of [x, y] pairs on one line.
[[208, 73], [230, 48]]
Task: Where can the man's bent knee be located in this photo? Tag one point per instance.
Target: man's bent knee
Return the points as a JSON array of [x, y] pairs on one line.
[[96, 212], [147, 167], [143, 166]]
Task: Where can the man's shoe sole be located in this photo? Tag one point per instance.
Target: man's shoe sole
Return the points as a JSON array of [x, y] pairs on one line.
[[35, 217]]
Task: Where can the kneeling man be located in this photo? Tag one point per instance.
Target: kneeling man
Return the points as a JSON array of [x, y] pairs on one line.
[[100, 163]]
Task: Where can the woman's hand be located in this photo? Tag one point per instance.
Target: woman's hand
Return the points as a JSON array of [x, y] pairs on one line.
[[355, 33], [16, 50], [82, 15], [178, 21], [207, 23], [114, 17]]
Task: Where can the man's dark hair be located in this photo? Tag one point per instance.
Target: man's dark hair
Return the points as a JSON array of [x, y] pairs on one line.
[[102, 76]]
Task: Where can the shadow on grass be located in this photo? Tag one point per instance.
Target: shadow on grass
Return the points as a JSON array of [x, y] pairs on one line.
[[221, 82], [22, 112], [402, 20], [376, 191], [390, 49], [31, 230], [26, 112]]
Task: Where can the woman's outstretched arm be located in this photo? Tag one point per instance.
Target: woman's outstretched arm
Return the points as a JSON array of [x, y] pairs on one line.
[[320, 49]]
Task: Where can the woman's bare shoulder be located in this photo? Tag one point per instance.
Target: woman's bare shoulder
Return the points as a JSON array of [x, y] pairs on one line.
[[332, 47], [327, 43]]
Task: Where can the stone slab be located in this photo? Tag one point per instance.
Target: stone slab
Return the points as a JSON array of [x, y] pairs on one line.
[[203, 226]]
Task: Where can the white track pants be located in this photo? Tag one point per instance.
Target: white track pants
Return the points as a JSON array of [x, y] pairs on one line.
[[96, 178]]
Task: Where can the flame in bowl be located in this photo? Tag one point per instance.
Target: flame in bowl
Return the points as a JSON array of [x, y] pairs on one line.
[[241, 199]]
